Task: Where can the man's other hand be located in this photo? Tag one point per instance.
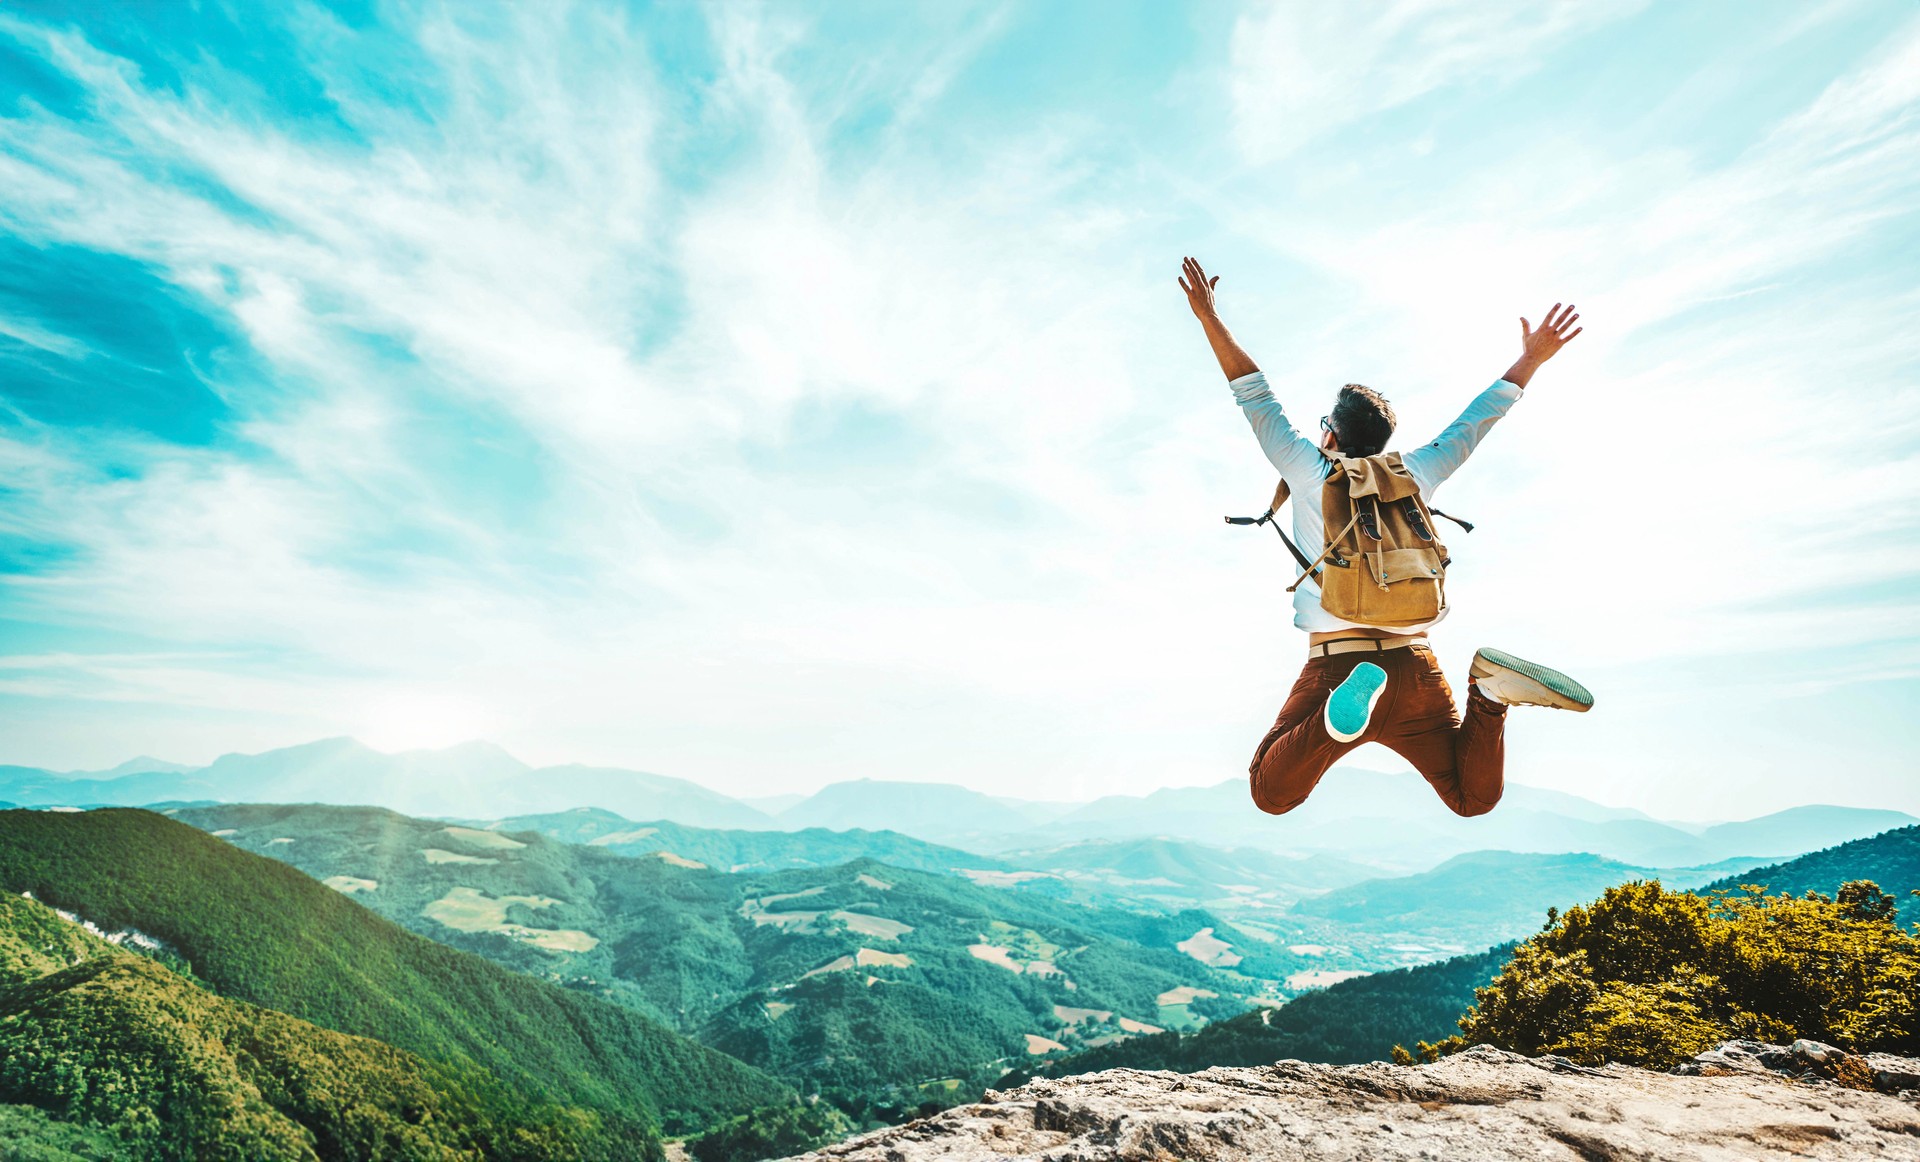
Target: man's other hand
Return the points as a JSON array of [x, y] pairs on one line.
[[1199, 289], [1556, 331]]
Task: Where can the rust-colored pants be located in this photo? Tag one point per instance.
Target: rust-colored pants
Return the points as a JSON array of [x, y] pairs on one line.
[[1415, 717]]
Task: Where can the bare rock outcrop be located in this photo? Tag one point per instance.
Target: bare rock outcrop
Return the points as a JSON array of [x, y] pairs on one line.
[[1741, 1101]]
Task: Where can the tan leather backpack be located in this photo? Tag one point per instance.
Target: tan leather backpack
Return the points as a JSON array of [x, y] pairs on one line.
[[1381, 565]]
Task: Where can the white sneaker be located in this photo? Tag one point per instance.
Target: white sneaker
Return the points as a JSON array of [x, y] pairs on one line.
[[1512, 681]]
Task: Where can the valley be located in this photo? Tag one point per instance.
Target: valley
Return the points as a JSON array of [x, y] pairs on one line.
[[887, 972]]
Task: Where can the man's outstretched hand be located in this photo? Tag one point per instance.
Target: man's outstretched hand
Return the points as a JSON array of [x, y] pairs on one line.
[[1538, 346], [1233, 361], [1199, 289]]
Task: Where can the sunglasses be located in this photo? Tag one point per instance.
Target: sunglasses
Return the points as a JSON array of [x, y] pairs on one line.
[[1326, 424]]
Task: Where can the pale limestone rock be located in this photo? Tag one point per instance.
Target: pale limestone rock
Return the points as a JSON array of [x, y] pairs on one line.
[[1481, 1104]]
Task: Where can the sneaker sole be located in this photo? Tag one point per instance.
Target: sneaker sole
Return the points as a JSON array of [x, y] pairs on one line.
[[1350, 707], [1570, 694]]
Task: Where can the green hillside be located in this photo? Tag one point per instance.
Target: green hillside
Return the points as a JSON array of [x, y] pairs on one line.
[[258, 930], [1890, 859], [30, 1134], [742, 851], [1353, 1021], [135, 1061], [854, 979]]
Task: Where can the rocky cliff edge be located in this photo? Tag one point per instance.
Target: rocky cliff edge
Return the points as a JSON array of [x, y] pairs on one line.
[[1737, 1102]]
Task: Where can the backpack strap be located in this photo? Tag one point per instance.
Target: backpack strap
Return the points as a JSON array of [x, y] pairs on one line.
[[1280, 495], [1365, 511], [1333, 542], [1410, 509]]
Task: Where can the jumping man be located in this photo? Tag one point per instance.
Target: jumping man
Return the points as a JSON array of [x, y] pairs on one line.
[[1372, 683]]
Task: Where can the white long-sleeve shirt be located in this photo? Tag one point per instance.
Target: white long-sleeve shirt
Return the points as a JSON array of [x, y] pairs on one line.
[[1304, 469]]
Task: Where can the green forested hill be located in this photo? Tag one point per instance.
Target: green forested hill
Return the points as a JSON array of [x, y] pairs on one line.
[[853, 978], [1353, 1021], [1890, 859], [137, 1061], [742, 851], [258, 930], [30, 1134]]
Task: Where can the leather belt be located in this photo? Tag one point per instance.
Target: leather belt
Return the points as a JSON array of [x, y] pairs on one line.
[[1348, 645]]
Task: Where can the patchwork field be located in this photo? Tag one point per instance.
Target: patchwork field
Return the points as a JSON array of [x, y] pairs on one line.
[[441, 855], [470, 910], [484, 840]]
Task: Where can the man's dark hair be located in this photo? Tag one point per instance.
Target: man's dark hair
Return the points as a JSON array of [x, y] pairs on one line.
[[1362, 421]]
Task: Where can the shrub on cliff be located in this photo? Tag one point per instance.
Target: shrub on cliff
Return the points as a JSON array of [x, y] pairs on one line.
[[1651, 977]]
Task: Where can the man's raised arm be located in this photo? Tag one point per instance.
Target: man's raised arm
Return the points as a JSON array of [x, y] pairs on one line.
[[1233, 361], [1286, 448], [1431, 464]]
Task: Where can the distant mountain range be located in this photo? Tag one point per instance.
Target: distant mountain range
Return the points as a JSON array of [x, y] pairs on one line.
[[454, 781], [1482, 897], [1378, 820]]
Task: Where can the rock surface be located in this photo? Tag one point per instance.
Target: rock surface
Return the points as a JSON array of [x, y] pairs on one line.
[[1484, 1103]]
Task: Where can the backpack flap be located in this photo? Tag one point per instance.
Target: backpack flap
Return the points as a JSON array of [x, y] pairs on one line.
[[1390, 566]]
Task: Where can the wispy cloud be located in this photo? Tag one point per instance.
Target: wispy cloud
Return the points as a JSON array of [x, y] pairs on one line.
[[697, 400], [1302, 70]]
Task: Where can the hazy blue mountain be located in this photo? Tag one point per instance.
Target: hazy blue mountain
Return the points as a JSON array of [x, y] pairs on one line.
[[1396, 820], [1038, 811], [1890, 859], [633, 794], [33, 787], [773, 804], [344, 770], [1802, 829], [1385, 821], [743, 851], [138, 765], [459, 780], [1483, 897], [940, 812]]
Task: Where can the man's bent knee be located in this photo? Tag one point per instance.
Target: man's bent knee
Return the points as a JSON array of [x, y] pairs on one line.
[[1274, 806], [1469, 808]]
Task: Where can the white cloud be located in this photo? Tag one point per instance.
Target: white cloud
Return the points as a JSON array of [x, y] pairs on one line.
[[1302, 69]]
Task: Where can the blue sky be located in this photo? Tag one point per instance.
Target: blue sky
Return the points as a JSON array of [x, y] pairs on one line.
[[770, 395]]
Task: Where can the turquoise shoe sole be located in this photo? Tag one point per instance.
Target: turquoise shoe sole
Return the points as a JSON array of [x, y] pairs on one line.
[[1350, 706]]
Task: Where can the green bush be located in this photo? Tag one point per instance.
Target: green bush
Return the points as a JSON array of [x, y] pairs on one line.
[[1651, 977]]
